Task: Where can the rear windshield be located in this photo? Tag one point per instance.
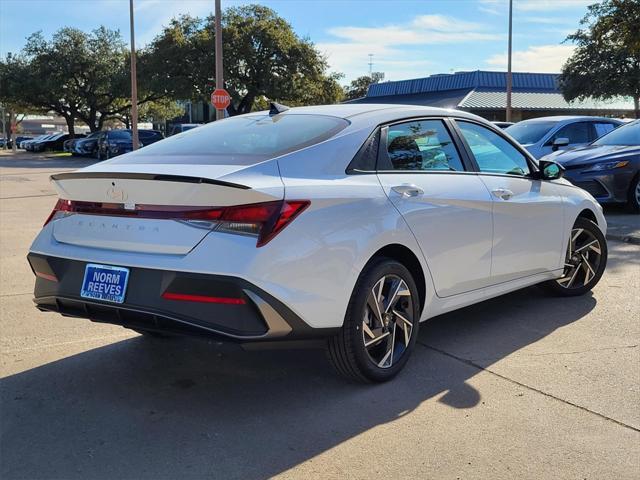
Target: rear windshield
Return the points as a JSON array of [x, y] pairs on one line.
[[120, 134], [242, 140], [529, 131]]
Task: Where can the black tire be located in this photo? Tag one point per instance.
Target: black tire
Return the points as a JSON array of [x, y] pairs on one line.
[[633, 197], [346, 350], [564, 285]]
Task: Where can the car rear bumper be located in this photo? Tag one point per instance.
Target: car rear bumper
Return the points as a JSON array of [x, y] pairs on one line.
[[259, 318], [605, 187]]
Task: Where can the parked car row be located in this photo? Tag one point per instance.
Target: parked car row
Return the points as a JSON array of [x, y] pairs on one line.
[[48, 142], [9, 142], [101, 145]]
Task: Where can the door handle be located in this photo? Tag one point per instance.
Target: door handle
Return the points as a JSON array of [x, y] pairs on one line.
[[502, 193], [408, 190]]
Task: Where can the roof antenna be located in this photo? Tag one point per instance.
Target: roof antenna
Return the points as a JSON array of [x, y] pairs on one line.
[[276, 108]]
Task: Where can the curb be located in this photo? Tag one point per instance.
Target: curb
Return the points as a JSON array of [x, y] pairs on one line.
[[620, 237]]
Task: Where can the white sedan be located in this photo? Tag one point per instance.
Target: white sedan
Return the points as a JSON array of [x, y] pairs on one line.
[[343, 225]]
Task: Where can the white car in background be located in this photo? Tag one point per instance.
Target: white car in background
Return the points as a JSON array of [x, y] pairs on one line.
[[350, 224], [544, 135]]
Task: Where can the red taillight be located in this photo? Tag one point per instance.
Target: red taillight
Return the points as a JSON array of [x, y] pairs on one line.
[[185, 297], [264, 220]]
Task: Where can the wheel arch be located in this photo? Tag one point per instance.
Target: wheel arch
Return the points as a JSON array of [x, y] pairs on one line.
[[589, 215], [409, 259]]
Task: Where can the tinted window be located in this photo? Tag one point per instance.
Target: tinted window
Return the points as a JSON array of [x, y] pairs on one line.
[[603, 128], [529, 131], [421, 145], [120, 134], [242, 140], [578, 132], [149, 134], [493, 153], [625, 135]]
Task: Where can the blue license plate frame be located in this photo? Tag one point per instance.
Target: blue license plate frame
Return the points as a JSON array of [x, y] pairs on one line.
[[107, 283]]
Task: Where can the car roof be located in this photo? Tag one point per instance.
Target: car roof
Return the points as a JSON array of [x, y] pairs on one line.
[[365, 115], [569, 118]]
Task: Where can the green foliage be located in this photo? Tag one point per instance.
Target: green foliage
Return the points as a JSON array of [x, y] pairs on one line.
[[358, 87], [606, 62], [263, 57], [76, 74]]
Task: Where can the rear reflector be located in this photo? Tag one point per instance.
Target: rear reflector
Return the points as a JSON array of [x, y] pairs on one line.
[[264, 220], [47, 276], [185, 297]]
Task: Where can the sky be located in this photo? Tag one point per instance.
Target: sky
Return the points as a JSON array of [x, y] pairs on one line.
[[408, 38]]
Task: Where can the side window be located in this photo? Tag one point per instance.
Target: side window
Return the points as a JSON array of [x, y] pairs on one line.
[[577, 132], [423, 145], [493, 153], [602, 128]]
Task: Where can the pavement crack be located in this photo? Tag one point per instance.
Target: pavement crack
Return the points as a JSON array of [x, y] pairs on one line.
[[30, 196], [544, 354], [528, 387]]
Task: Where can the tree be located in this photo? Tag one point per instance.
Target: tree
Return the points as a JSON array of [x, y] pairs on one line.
[[263, 57], [77, 75], [358, 87], [12, 72], [606, 61]]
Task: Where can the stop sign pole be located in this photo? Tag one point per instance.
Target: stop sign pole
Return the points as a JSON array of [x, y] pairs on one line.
[[218, 54]]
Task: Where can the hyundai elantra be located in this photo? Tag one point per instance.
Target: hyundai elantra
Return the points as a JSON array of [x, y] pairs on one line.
[[343, 225]]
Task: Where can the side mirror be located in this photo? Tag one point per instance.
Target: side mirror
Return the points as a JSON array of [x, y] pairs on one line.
[[550, 170], [560, 142]]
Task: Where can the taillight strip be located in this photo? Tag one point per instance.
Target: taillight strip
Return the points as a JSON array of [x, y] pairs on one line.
[[270, 217], [186, 297]]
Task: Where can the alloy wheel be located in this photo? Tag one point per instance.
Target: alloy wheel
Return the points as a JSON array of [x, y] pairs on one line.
[[638, 193], [388, 321], [584, 255]]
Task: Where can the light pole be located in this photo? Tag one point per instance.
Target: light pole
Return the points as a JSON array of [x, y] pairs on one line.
[[134, 83], [509, 79], [218, 54]]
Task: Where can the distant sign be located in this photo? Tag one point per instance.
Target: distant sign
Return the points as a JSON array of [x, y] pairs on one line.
[[220, 99]]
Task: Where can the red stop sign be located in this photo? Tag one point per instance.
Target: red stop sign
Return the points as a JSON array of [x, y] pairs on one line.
[[220, 99]]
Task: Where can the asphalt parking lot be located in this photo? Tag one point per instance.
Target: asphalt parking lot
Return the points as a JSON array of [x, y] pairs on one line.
[[523, 386]]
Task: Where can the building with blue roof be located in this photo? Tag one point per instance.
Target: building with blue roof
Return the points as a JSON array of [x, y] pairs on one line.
[[484, 93]]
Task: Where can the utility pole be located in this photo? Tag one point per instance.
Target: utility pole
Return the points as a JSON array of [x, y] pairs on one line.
[[370, 64], [134, 83], [509, 76], [218, 54]]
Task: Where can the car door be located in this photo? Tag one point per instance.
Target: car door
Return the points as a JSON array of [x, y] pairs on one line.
[[447, 207], [528, 215]]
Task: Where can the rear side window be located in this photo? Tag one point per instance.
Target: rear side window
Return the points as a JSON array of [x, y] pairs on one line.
[[242, 140], [603, 128], [421, 145]]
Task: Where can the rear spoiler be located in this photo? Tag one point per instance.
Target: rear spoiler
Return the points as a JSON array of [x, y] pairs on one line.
[[146, 176]]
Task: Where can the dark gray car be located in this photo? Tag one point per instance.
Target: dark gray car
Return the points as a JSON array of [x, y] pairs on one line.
[[607, 168]]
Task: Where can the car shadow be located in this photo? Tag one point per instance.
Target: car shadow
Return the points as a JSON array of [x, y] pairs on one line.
[[154, 408]]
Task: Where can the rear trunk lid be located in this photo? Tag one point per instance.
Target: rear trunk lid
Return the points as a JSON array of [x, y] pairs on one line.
[[161, 188]]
